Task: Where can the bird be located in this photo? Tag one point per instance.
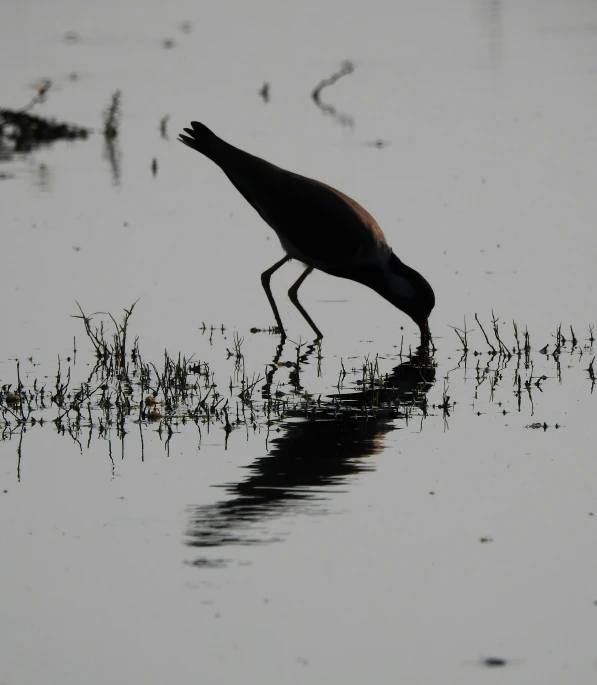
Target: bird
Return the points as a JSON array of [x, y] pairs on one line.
[[319, 226]]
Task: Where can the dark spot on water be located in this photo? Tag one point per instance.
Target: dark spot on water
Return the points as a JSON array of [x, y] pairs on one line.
[[204, 562], [264, 92], [493, 662]]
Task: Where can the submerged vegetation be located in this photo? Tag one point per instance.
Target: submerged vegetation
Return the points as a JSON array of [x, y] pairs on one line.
[[21, 131]]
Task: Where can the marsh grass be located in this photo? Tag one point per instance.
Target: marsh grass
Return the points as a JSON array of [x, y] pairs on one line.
[[524, 380], [21, 131], [121, 389], [112, 116]]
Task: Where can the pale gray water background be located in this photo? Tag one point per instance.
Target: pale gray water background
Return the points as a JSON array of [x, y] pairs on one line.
[[487, 185]]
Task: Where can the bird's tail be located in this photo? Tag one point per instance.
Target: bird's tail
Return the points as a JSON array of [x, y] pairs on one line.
[[199, 138]]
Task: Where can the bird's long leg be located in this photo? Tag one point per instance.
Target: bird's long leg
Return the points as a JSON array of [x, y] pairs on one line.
[[292, 294], [265, 279]]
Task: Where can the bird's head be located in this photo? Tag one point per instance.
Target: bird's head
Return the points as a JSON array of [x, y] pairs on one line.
[[407, 290], [396, 282], [404, 287]]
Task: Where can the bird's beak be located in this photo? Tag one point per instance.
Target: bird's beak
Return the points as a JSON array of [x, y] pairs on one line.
[[425, 332]]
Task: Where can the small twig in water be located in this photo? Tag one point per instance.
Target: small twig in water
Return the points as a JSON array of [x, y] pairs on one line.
[[112, 115], [485, 334], [346, 68], [164, 126]]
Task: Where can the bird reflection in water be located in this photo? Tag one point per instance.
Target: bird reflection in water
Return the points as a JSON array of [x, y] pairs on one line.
[[317, 453]]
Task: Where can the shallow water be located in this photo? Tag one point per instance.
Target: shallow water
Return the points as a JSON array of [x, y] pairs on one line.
[[408, 540]]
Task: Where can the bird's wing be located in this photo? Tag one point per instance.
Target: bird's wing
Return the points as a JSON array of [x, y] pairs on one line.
[[319, 222], [315, 222], [322, 223]]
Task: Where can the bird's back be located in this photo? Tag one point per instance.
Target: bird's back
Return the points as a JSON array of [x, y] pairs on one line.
[[316, 223]]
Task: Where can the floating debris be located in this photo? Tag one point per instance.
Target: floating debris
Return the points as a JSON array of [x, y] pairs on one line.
[[71, 37], [164, 126], [379, 144], [203, 562], [542, 426], [23, 132], [264, 92], [112, 116], [346, 68]]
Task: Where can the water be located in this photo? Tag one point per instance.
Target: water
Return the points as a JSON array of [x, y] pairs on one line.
[[408, 543]]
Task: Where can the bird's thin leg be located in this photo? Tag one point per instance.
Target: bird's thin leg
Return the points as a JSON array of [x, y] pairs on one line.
[[265, 279], [292, 294]]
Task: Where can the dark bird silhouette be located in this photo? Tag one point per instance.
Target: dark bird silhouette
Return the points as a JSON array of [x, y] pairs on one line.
[[319, 226]]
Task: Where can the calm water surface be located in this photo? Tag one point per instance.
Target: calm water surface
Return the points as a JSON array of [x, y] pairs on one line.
[[405, 544]]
